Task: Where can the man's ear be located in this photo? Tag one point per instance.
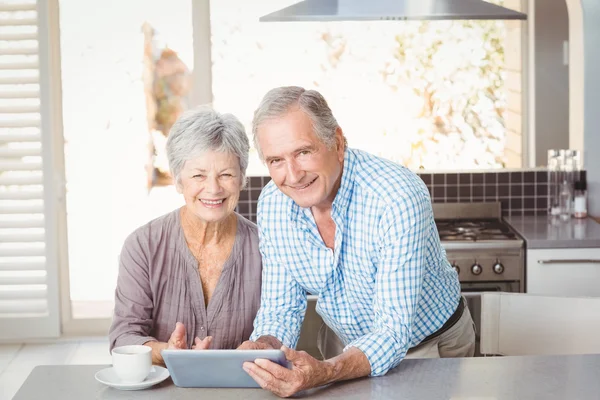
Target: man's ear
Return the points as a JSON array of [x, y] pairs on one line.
[[340, 143]]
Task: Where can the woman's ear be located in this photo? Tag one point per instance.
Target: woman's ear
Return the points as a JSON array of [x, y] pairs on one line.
[[178, 185]]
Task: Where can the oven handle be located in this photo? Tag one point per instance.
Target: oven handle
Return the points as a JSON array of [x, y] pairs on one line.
[[567, 261]]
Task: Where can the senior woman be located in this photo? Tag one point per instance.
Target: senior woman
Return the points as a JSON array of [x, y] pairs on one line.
[[191, 278]]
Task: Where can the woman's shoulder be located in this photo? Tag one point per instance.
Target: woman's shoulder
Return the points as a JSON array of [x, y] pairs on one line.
[[247, 227], [158, 230]]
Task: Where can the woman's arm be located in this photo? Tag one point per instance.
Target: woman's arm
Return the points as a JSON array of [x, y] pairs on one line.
[[134, 302]]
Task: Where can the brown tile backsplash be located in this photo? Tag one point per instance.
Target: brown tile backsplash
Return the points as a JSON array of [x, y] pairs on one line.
[[520, 193]]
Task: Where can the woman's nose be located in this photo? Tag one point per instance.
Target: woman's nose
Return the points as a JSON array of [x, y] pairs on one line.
[[213, 185]]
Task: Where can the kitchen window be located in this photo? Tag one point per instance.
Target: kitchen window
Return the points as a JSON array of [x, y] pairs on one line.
[[390, 99], [428, 94]]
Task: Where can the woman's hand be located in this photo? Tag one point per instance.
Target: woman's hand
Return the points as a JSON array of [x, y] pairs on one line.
[[202, 344], [178, 338]]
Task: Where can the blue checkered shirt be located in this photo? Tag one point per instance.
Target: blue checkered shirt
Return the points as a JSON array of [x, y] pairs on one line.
[[384, 287]]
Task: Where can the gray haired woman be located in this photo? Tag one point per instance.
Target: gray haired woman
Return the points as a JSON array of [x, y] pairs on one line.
[[191, 278]]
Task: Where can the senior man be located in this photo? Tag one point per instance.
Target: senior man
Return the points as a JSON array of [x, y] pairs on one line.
[[357, 230]]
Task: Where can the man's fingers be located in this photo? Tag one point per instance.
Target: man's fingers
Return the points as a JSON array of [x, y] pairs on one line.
[[294, 356], [290, 354], [262, 377], [250, 345], [274, 369]]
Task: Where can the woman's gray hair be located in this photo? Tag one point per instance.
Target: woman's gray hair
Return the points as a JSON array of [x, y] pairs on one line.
[[203, 129], [279, 101]]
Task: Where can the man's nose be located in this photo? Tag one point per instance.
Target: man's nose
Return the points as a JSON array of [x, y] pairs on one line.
[[294, 173]]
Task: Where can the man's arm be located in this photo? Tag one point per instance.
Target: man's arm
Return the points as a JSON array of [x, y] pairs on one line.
[[282, 302], [403, 234], [307, 372]]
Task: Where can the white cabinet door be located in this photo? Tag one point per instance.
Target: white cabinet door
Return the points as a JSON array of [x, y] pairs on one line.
[[563, 272]]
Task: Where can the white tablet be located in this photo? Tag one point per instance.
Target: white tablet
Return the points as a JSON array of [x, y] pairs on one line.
[[216, 368]]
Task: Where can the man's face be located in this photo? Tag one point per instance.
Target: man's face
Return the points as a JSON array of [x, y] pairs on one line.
[[301, 166]]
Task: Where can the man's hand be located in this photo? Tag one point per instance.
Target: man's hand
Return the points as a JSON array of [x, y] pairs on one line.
[[263, 342], [251, 345], [307, 372]]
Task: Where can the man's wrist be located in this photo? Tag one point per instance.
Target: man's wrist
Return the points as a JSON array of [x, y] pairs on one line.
[[330, 373], [351, 364]]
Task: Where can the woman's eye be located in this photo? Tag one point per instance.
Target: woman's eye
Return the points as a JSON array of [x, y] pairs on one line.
[[198, 176], [226, 175]]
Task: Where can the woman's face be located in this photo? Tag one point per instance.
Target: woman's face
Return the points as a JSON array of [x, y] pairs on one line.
[[211, 185]]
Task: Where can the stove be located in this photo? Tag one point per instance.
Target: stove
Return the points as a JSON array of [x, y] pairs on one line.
[[473, 230], [485, 252]]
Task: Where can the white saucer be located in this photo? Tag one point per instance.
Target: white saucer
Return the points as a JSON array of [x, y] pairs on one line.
[[109, 377]]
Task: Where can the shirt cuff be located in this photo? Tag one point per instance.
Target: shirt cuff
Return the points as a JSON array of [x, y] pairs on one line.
[[283, 335], [381, 349], [128, 340]]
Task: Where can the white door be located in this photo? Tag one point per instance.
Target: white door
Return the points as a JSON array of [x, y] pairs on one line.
[[29, 296], [563, 272]]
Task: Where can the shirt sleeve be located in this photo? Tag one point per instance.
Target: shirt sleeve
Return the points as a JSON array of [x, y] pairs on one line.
[[283, 300], [399, 279], [132, 319]]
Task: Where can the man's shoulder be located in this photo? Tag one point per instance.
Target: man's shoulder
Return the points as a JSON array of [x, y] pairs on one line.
[[385, 179]]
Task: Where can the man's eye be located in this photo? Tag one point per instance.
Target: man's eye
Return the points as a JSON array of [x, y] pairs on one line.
[[275, 161], [226, 175]]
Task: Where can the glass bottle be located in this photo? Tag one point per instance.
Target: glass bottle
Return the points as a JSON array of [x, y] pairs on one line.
[[565, 201], [553, 183], [580, 199]]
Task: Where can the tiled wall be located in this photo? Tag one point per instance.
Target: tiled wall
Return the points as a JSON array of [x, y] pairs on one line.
[[520, 192], [249, 196]]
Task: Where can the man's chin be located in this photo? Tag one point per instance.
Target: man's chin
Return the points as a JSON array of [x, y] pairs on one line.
[[305, 202]]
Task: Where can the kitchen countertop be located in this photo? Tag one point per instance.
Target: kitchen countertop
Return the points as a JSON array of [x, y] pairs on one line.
[[540, 377], [540, 233]]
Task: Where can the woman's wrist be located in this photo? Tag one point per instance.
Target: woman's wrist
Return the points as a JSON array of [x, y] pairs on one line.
[[157, 347]]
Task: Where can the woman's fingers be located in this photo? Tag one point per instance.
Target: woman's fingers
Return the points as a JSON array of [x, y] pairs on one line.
[[202, 344], [177, 339]]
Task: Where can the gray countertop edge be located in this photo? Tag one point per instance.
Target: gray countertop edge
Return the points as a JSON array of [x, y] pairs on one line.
[[540, 233]]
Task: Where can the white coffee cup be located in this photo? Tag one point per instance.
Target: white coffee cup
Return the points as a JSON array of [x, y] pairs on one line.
[[132, 364]]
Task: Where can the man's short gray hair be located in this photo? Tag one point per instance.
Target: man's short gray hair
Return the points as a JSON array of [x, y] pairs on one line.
[[203, 129], [281, 100]]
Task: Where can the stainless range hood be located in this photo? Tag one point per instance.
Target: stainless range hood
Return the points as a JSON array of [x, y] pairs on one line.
[[391, 10]]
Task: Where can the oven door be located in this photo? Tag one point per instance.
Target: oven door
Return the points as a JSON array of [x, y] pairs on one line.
[[472, 293]]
